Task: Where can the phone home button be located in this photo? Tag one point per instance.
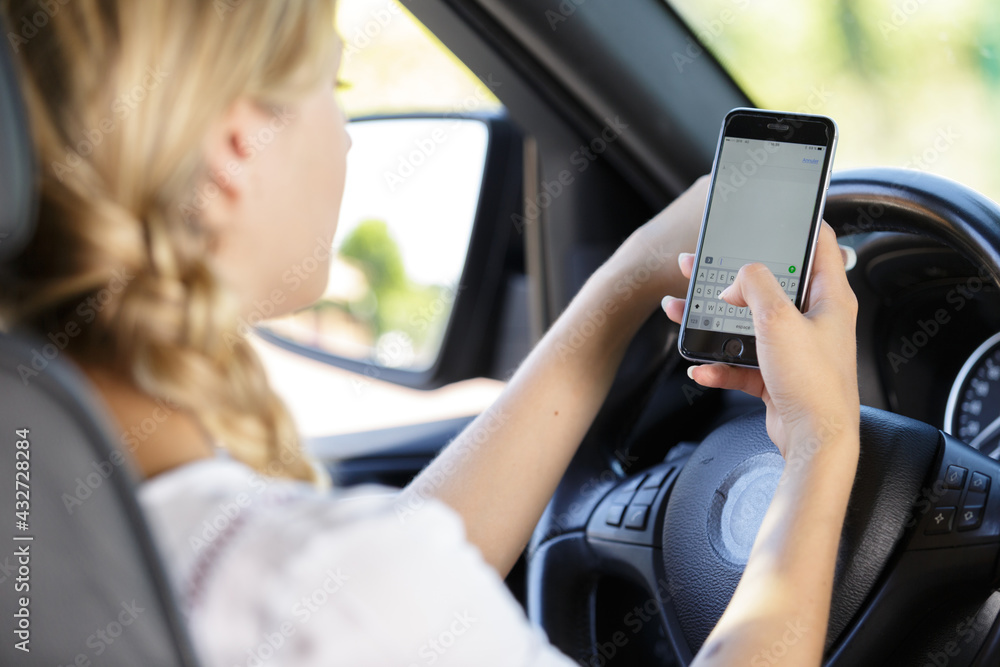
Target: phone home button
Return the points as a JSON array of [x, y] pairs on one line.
[[733, 348]]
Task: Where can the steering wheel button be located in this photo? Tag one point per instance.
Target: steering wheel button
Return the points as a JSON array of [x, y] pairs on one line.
[[970, 517], [940, 521], [615, 514], [954, 477], [979, 483], [624, 497], [636, 516], [633, 483], [656, 479], [645, 496]]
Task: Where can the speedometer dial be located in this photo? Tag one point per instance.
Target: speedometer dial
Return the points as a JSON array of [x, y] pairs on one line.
[[973, 413]]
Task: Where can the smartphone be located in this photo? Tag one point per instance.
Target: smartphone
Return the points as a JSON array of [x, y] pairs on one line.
[[765, 204]]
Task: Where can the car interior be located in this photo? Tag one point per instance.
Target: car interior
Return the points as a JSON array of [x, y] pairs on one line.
[[609, 111]]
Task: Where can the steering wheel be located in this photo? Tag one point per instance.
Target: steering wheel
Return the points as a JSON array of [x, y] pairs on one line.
[[917, 567]]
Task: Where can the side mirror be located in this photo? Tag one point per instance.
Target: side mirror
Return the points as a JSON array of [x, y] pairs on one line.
[[424, 249]]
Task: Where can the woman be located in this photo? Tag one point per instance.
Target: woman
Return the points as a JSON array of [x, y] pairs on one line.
[[196, 148]]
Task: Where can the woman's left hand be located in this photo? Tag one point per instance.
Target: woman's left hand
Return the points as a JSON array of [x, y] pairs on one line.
[[647, 260]]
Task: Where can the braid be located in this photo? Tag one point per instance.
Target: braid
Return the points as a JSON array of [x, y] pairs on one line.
[[114, 257]]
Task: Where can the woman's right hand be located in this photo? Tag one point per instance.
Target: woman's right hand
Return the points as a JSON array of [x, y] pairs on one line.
[[808, 381], [808, 368]]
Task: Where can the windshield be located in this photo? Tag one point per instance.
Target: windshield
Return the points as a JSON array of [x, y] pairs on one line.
[[911, 83]]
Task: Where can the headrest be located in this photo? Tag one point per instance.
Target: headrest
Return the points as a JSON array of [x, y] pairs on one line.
[[17, 161]]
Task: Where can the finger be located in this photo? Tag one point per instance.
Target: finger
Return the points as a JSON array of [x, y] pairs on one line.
[[724, 376], [755, 286], [850, 257], [685, 261], [829, 279], [673, 307]]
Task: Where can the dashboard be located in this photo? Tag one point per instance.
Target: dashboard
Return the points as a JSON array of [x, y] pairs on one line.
[[973, 409], [928, 335]]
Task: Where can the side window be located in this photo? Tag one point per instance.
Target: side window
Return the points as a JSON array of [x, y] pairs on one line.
[[409, 203]]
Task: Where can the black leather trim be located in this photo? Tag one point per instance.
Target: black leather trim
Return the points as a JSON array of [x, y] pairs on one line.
[[563, 579], [897, 454], [917, 202]]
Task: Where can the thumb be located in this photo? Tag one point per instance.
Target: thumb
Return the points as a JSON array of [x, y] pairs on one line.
[[755, 286]]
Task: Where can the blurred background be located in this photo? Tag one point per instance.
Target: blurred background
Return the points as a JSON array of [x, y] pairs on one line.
[[911, 83]]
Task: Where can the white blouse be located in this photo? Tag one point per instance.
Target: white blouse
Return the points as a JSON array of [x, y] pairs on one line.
[[271, 572]]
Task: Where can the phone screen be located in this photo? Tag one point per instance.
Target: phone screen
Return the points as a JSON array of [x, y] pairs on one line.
[[764, 206]]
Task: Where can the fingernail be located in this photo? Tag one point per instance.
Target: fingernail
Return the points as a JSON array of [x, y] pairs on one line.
[[667, 299], [722, 295], [691, 372], [850, 257], [682, 257]]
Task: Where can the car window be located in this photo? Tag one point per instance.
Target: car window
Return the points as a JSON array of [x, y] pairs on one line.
[[911, 83], [391, 65]]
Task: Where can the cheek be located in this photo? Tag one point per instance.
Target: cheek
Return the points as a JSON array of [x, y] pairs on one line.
[[329, 144], [313, 188], [327, 147], [336, 171]]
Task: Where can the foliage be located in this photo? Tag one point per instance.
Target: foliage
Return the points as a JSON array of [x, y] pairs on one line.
[[400, 304], [896, 75]]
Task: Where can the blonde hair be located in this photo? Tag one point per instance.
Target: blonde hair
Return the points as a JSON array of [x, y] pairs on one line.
[[121, 95]]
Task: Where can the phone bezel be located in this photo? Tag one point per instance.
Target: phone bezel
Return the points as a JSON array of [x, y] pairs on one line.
[[708, 346]]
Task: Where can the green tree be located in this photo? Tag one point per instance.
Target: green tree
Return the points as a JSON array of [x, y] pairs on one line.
[[400, 304], [372, 247]]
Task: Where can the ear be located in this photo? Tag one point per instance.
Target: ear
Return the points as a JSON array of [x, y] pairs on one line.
[[225, 188]]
